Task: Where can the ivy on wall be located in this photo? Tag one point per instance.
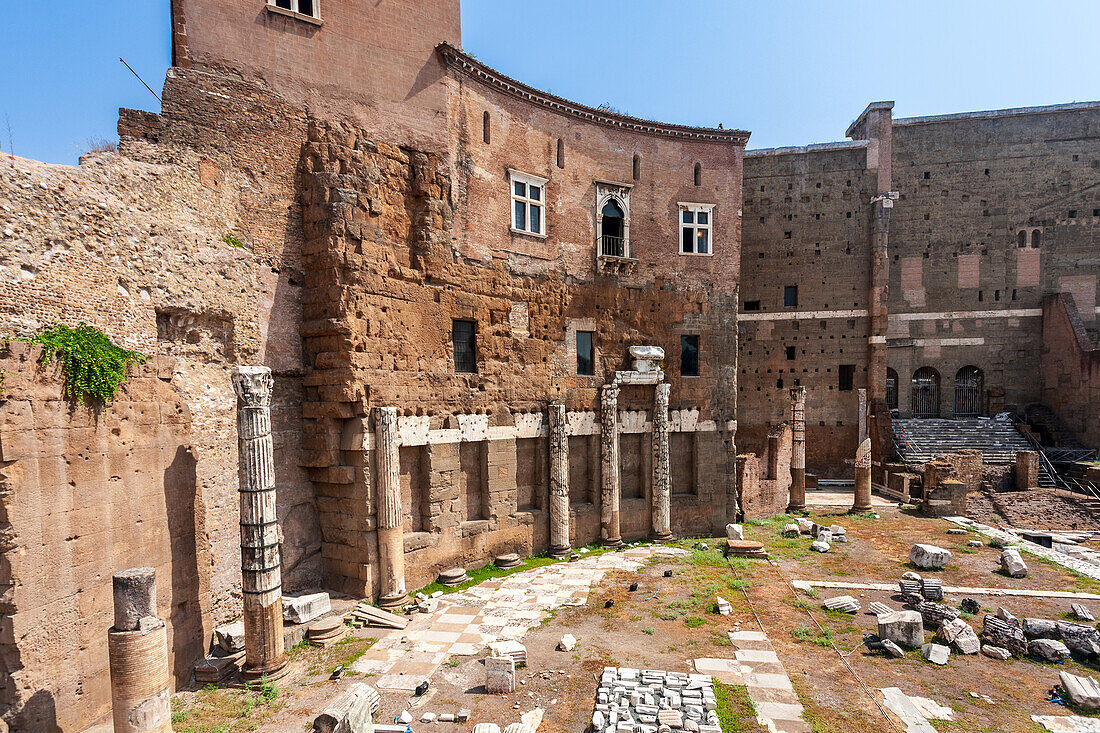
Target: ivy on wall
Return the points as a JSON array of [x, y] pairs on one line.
[[93, 366]]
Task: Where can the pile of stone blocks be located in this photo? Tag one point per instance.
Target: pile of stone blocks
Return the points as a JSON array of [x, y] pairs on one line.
[[648, 699], [303, 609], [511, 649]]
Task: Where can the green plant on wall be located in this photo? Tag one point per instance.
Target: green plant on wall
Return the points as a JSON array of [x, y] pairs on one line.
[[233, 241], [92, 365]]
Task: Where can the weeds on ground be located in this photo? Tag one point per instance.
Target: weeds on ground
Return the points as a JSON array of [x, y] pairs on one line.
[[694, 622], [218, 710], [805, 633], [736, 712], [489, 571], [720, 638]]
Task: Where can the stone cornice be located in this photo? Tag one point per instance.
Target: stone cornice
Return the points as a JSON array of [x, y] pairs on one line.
[[462, 62]]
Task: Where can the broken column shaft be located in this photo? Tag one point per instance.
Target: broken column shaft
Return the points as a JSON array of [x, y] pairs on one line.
[[137, 649], [559, 482], [391, 533], [609, 501], [662, 470], [862, 499], [261, 574], [798, 448]]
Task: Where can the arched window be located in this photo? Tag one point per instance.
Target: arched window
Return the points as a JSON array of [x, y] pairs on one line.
[[926, 393], [637, 166], [1021, 239], [698, 175], [612, 229], [1035, 235], [969, 392], [561, 153], [891, 388], [485, 127]]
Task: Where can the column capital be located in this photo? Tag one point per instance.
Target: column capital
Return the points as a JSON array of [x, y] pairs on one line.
[[253, 385]]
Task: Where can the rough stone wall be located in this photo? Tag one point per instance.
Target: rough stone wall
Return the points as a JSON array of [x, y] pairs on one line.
[[806, 224], [86, 493], [1070, 368], [764, 482], [962, 289]]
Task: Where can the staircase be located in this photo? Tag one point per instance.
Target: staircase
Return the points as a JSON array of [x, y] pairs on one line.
[[920, 440]]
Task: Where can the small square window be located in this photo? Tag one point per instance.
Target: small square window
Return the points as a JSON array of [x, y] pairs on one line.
[[751, 305], [464, 338], [1073, 213], [790, 295], [689, 356], [790, 353], [586, 362], [927, 175], [786, 235], [846, 377]]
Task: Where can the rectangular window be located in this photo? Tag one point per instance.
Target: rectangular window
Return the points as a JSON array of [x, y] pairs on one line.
[[463, 334], [790, 353], [528, 202], [847, 374], [689, 356], [751, 305], [696, 222], [790, 296], [586, 362], [308, 8]]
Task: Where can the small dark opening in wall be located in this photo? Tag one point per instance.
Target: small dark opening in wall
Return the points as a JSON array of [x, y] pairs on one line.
[[790, 186], [698, 175], [818, 185], [779, 383], [790, 295], [1075, 159], [485, 133], [846, 377], [847, 215], [284, 4], [927, 175], [1014, 293], [636, 167], [790, 353], [759, 255], [761, 188], [689, 356], [786, 235], [1096, 212], [1035, 236], [987, 171], [761, 220], [1073, 213], [751, 305], [981, 296], [464, 338], [996, 295], [1021, 239], [561, 153], [586, 361]]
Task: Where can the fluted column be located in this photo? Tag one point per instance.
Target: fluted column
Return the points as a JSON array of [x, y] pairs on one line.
[[662, 470], [391, 533], [609, 452], [862, 499], [559, 482], [137, 651], [798, 448], [862, 396], [261, 574]]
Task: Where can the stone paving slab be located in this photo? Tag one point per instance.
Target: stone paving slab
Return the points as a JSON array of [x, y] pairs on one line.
[[960, 589], [1068, 723], [900, 705], [765, 679], [502, 608]]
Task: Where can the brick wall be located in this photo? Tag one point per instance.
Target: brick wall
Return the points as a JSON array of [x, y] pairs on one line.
[[1070, 367]]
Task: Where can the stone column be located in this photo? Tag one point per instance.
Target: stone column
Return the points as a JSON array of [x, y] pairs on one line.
[[662, 471], [559, 483], [391, 532], [609, 452], [798, 449], [261, 573], [862, 396], [862, 499], [137, 651]]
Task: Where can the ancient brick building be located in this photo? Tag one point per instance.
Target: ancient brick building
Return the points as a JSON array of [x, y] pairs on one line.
[[446, 266]]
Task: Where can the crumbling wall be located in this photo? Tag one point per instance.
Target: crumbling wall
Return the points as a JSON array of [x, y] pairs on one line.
[[1070, 368], [764, 482], [85, 492]]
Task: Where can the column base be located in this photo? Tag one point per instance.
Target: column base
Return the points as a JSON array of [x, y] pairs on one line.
[[394, 602], [560, 553], [271, 673], [666, 537], [612, 543], [796, 507], [861, 509]]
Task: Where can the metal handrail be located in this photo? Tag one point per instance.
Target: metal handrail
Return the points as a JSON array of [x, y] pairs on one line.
[[1069, 455], [614, 246]]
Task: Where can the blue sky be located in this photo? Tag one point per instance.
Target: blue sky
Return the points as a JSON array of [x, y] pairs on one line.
[[791, 71]]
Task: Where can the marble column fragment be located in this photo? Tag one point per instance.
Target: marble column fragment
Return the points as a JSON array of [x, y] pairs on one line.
[[609, 452], [559, 482], [391, 532], [798, 449], [137, 651], [261, 572], [862, 499], [862, 394], [662, 470]]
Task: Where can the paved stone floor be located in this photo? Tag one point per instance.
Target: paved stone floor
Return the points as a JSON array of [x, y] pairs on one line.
[[842, 496], [756, 666], [1068, 723], [1083, 560], [503, 608]]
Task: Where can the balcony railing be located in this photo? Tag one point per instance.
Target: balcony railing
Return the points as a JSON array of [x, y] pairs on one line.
[[614, 246]]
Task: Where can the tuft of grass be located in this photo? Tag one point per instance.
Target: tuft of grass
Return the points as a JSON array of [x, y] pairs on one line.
[[720, 638], [694, 622], [233, 241], [487, 572], [648, 630], [736, 712], [805, 633], [453, 661]]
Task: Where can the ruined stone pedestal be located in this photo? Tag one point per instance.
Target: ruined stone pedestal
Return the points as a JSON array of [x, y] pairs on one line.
[[662, 470], [862, 500], [261, 573], [391, 533], [798, 449], [610, 533], [559, 483], [137, 649]]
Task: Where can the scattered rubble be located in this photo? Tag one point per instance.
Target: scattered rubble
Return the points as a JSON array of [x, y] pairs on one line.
[[1082, 691], [936, 653], [500, 675], [1012, 564], [652, 700], [303, 609], [878, 609], [847, 604], [929, 557], [960, 635], [230, 637], [1048, 650], [735, 532], [724, 606], [820, 546], [568, 643], [351, 712], [790, 530], [1082, 613], [995, 652], [902, 627]]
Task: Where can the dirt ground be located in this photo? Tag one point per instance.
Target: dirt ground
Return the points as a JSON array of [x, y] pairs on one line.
[[1038, 509], [668, 622]]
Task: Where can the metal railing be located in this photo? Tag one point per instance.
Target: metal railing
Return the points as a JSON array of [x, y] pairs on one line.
[[1069, 455], [614, 246]]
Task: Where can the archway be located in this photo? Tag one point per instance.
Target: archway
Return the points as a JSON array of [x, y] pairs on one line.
[[969, 392], [891, 388], [612, 229], [926, 393]]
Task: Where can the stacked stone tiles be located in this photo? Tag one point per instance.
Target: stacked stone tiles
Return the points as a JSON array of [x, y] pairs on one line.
[[629, 698]]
